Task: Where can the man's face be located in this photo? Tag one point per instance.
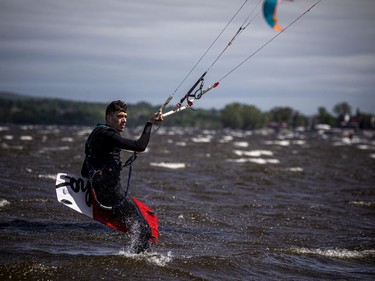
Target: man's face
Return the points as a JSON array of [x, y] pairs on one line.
[[118, 120]]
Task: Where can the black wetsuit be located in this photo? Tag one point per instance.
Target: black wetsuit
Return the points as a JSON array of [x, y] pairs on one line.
[[102, 165]]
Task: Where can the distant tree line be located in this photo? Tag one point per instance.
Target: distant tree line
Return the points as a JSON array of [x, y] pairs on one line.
[[26, 110], [48, 111]]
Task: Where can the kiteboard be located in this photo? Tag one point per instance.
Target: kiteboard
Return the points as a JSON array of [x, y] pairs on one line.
[[74, 192]]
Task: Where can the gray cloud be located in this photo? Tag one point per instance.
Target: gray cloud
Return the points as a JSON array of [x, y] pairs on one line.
[[141, 50]]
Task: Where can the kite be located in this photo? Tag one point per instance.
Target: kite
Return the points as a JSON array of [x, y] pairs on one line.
[[270, 13]]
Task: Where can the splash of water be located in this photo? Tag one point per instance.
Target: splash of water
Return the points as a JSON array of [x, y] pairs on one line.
[[3, 203], [155, 258]]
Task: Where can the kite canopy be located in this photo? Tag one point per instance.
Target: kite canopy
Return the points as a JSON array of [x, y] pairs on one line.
[[270, 13]]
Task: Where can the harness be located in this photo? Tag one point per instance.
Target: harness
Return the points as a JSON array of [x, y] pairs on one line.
[[107, 171]]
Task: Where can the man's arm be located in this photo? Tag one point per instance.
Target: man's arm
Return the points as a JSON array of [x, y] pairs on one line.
[[134, 145]]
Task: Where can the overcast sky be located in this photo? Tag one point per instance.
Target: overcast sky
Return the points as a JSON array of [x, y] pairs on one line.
[[141, 50]]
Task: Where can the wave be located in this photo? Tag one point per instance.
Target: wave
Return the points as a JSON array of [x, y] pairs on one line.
[[55, 148], [285, 142], [335, 253], [169, 165], [67, 139], [362, 203], [253, 153], [226, 139], [241, 144], [295, 169], [15, 147], [181, 143], [278, 142], [255, 157], [260, 161], [47, 176], [26, 138], [8, 137], [201, 139], [4, 202]]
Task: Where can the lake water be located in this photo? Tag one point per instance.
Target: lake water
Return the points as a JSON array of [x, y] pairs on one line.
[[232, 205]]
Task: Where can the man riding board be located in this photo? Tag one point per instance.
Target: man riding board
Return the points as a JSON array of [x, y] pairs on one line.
[[102, 166]]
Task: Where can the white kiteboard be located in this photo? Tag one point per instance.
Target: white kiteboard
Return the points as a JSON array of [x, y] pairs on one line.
[[73, 191]]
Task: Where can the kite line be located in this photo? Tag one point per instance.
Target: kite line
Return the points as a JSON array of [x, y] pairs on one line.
[[196, 93]]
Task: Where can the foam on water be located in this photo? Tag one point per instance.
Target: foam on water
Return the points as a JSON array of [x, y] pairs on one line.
[[15, 147], [295, 169], [8, 137], [83, 132], [226, 139], [155, 258], [278, 142], [335, 253], [362, 203], [260, 161], [201, 139], [67, 139], [299, 142], [26, 138], [241, 144], [363, 147], [47, 176], [4, 202], [264, 161], [56, 148], [253, 153], [169, 165], [151, 257]]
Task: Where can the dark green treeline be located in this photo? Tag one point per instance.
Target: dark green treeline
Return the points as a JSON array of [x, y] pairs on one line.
[[16, 109]]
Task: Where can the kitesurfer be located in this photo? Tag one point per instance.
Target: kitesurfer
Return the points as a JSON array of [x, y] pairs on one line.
[[102, 166]]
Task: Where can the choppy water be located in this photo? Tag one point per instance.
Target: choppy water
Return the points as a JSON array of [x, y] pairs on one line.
[[231, 206]]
